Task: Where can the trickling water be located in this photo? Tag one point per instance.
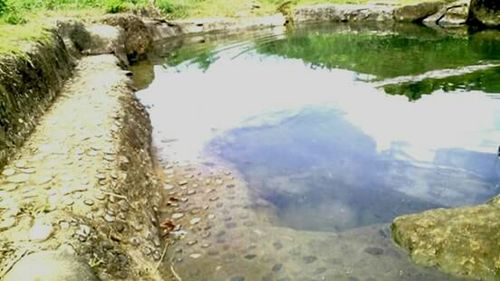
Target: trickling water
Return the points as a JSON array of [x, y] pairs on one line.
[[336, 131]]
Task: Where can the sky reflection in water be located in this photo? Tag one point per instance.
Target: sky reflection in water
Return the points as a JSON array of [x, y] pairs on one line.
[[330, 151]]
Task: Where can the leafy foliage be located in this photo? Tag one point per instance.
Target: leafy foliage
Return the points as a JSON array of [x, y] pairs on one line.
[[3, 7], [115, 6]]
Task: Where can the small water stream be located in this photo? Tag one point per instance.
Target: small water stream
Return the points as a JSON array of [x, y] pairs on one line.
[[333, 131]]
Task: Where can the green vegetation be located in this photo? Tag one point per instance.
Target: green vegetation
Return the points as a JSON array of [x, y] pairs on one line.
[[382, 56], [485, 80]]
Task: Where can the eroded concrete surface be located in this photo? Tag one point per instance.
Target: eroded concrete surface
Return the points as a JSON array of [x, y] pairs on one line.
[[84, 182]]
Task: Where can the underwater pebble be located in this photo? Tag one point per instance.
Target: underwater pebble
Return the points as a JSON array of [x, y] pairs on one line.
[[195, 256], [277, 267], [147, 251], [135, 241], [309, 259], [195, 221], [250, 257], [68, 201], [100, 196], [8, 172], [21, 178], [9, 187], [88, 202], [375, 251], [109, 218], [191, 243], [29, 171], [212, 253], [156, 255], [177, 216], [83, 231], [42, 180], [7, 223], [109, 158]]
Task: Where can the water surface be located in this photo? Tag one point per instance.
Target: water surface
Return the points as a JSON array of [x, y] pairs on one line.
[[336, 130]]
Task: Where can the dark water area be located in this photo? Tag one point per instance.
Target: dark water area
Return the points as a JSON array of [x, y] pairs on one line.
[[336, 130]]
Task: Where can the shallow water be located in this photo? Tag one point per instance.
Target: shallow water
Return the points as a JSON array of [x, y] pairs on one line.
[[335, 130]]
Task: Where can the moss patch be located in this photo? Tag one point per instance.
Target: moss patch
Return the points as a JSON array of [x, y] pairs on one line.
[[462, 241]]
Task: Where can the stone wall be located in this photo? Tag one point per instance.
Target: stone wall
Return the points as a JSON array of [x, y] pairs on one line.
[[438, 13], [29, 82]]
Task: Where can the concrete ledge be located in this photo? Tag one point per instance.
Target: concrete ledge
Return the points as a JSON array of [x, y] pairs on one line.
[[85, 179]]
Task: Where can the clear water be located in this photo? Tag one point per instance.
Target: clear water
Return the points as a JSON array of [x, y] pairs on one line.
[[336, 130]]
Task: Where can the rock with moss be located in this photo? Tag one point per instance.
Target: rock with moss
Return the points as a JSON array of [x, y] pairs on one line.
[[451, 15], [417, 12], [462, 241], [107, 39], [485, 12], [344, 13], [138, 38], [75, 35]]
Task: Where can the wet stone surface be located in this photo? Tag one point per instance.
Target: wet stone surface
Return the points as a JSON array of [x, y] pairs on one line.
[[225, 240]]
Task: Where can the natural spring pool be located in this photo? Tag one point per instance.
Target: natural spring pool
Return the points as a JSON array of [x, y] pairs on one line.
[[329, 132]]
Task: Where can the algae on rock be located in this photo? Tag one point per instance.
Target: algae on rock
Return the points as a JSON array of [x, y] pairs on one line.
[[485, 12], [463, 241]]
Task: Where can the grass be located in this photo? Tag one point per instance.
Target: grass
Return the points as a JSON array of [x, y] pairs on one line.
[[25, 20]]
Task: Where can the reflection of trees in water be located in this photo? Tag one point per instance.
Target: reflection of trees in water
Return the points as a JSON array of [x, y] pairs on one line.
[[485, 80], [388, 55]]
